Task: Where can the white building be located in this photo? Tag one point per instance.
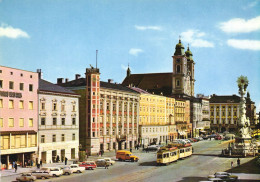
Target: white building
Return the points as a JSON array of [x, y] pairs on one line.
[[58, 122]]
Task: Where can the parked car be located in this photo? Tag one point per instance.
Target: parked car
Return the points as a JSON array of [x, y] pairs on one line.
[[110, 161], [102, 163], [205, 137], [218, 137], [26, 177], [76, 168], [67, 170], [88, 165], [152, 148], [41, 174], [54, 171], [224, 176]]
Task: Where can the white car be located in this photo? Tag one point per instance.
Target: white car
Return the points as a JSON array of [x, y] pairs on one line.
[[110, 161], [54, 171], [41, 174], [76, 169], [67, 170], [26, 177]]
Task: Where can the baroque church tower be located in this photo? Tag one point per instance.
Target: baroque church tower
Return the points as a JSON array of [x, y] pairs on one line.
[[183, 71]]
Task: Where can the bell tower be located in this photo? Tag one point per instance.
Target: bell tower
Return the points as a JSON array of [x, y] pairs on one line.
[[183, 72], [191, 64]]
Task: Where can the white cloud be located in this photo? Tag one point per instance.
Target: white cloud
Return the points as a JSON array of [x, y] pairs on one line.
[[244, 44], [158, 28], [239, 25], [13, 33], [124, 67], [135, 52], [194, 37]]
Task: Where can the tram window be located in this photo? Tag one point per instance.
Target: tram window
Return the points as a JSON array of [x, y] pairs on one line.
[[159, 156], [164, 155], [181, 151], [168, 155]]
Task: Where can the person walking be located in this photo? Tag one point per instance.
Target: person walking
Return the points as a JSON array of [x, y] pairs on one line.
[[66, 160], [231, 164], [15, 166], [106, 165], [238, 162], [58, 158], [41, 162]]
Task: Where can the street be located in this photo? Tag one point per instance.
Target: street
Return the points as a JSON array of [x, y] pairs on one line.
[[202, 163]]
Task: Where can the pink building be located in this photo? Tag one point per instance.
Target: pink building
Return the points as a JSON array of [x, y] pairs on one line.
[[18, 116]]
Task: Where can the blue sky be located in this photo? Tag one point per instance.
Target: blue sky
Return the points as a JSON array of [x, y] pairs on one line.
[[61, 37]]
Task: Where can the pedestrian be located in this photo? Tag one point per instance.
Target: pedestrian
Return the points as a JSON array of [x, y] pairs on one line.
[[32, 163], [238, 162], [231, 164], [15, 166], [41, 162], [130, 149], [25, 164], [58, 158], [29, 162], [66, 160], [106, 165]]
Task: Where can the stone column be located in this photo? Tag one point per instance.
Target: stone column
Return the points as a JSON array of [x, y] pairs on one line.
[[105, 117], [232, 115]]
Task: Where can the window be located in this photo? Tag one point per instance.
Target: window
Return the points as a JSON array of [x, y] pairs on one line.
[[11, 122], [73, 107], [30, 122], [21, 75], [21, 122], [11, 104], [54, 121], [43, 121], [53, 138], [62, 108], [73, 121], [1, 122], [73, 136], [31, 105], [21, 86], [30, 87], [54, 107], [62, 121], [1, 83], [62, 137], [178, 83], [1, 103], [178, 68], [11, 85], [42, 138], [43, 106], [21, 104]]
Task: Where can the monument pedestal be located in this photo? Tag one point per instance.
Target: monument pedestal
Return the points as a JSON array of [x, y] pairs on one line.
[[243, 147]]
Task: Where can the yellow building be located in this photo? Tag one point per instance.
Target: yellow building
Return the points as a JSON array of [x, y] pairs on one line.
[[179, 117], [170, 102], [153, 123]]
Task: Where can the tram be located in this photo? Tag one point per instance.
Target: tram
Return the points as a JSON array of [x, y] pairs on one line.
[[173, 152]]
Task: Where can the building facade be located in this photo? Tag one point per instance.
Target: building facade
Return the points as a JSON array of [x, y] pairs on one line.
[[18, 116], [109, 113], [224, 113], [58, 123]]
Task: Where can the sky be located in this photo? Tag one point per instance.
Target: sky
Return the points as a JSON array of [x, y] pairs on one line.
[[61, 37]]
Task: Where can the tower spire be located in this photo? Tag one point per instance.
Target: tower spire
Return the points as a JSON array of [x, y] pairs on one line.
[[128, 72]]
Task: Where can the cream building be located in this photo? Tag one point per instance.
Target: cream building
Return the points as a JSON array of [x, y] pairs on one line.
[[58, 123]]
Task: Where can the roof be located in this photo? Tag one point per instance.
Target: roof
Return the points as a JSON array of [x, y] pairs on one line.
[[224, 99], [82, 82], [139, 90], [152, 82], [50, 87]]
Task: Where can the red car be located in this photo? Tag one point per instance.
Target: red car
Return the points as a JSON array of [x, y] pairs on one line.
[[88, 165], [218, 137]]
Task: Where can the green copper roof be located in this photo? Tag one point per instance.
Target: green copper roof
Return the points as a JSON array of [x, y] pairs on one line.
[[179, 49], [189, 54]]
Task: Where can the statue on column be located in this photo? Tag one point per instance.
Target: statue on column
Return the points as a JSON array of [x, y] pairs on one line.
[[244, 122]]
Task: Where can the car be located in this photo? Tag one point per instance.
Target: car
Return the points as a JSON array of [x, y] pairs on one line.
[[205, 137], [153, 148], [41, 174], [218, 137], [76, 168], [224, 176], [54, 171], [123, 155], [88, 165], [26, 177], [67, 170], [102, 163], [110, 160]]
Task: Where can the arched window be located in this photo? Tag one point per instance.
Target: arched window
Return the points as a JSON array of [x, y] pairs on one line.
[[178, 83], [178, 68]]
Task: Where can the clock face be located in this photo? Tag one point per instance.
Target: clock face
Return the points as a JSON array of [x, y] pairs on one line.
[[178, 60]]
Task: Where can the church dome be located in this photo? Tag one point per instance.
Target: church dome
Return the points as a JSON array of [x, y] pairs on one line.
[[189, 54], [179, 49]]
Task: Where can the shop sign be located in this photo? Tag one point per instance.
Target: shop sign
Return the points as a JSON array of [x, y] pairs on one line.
[[10, 94]]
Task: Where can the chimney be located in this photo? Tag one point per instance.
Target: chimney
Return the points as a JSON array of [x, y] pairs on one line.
[[110, 80], [66, 80], [59, 80], [39, 71], [77, 76]]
